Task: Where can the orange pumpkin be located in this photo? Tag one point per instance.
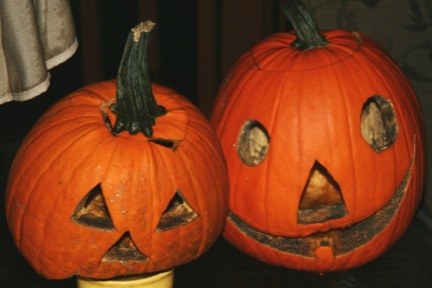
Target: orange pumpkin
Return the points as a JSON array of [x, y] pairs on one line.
[[90, 195], [324, 141]]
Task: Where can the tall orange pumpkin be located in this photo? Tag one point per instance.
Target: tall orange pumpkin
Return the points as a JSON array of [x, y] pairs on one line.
[[324, 141], [110, 184]]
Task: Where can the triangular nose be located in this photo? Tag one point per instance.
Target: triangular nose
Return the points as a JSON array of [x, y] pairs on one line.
[[124, 251], [321, 199]]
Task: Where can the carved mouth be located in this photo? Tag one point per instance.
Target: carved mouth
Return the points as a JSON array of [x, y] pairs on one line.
[[341, 240]]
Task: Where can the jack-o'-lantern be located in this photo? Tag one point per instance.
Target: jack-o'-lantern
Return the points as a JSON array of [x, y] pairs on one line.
[[90, 195], [324, 141]]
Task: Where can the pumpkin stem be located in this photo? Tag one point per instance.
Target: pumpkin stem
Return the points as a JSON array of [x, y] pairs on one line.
[[136, 107], [305, 27]]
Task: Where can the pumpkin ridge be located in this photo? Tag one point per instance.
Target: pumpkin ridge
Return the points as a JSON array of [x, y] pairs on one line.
[[48, 152], [57, 125], [279, 96], [145, 156], [35, 134], [31, 195], [202, 239], [232, 101], [80, 100], [73, 143], [273, 53], [65, 110], [217, 203], [38, 137], [347, 111]]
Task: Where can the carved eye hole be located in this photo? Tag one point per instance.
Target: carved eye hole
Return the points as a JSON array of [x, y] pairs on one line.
[[253, 143], [93, 212], [177, 213], [378, 123]]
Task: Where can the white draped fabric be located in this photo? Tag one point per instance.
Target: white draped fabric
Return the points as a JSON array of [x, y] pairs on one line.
[[36, 35]]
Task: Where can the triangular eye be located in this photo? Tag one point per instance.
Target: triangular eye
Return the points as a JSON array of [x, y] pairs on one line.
[[124, 251], [93, 212], [321, 198], [177, 213]]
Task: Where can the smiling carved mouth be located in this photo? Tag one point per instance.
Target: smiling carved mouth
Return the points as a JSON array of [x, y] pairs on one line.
[[343, 240]]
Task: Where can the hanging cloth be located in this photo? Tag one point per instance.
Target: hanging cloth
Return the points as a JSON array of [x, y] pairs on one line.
[[36, 35]]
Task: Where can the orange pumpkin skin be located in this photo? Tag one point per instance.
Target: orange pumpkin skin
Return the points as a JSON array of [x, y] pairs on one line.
[[310, 103], [69, 151]]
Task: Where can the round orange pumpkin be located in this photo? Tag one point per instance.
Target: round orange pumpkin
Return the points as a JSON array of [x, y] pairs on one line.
[[90, 195], [324, 141]]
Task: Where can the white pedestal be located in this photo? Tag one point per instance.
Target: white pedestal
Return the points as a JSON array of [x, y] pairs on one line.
[[160, 280]]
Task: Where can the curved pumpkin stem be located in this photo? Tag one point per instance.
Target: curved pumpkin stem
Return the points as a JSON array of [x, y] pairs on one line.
[[136, 107], [300, 16]]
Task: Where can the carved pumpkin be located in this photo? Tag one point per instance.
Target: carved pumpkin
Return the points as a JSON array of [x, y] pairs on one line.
[[96, 199], [324, 142]]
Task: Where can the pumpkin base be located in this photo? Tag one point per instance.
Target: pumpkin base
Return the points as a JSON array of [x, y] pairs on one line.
[[159, 280]]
